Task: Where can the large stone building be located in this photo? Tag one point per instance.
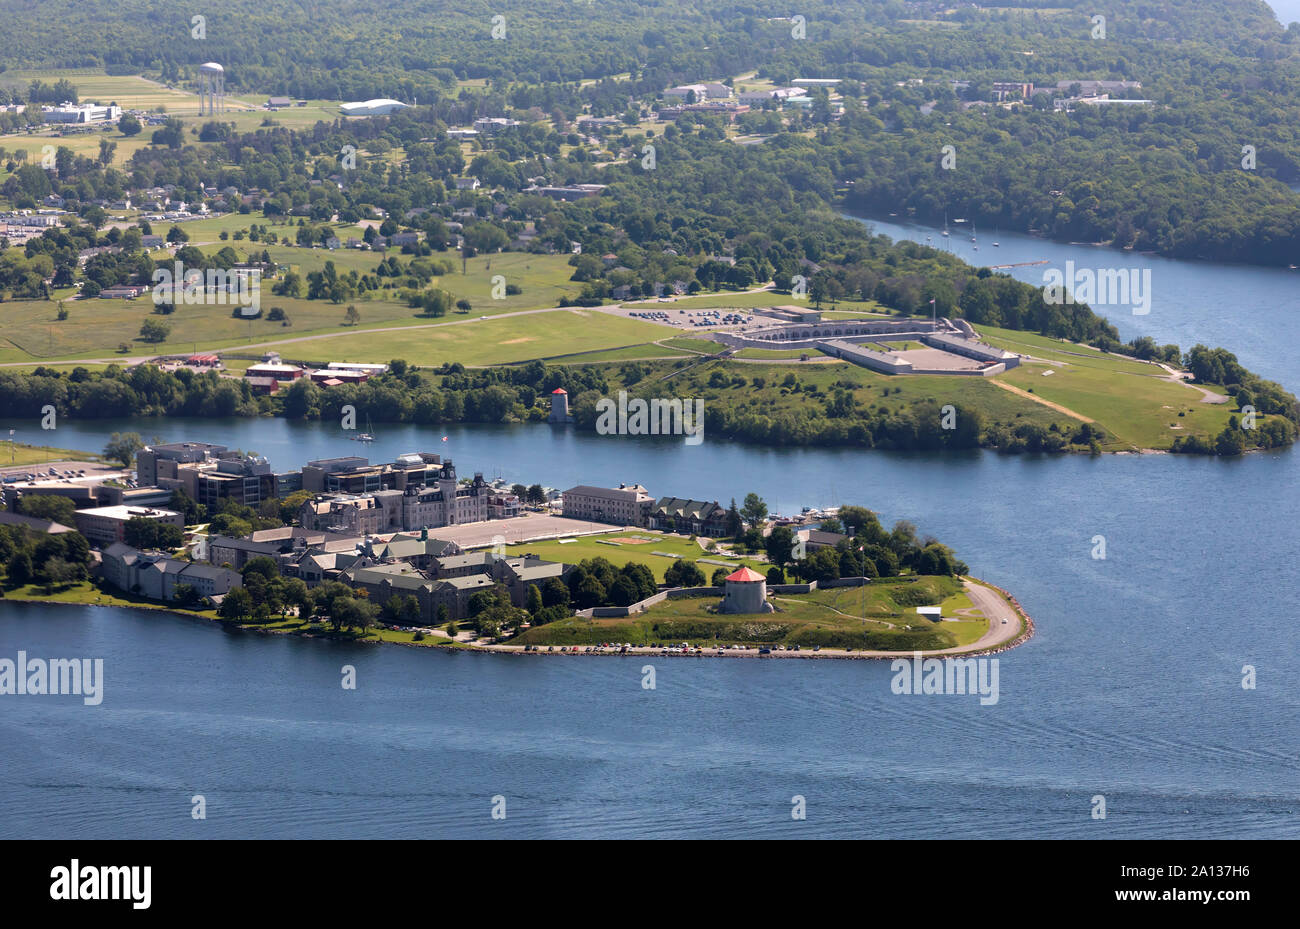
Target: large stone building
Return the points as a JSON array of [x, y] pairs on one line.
[[689, 517], [426, 499], [624, 505], [452, 581], [154, 575]]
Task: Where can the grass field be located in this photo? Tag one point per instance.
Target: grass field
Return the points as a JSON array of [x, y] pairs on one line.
[[869, 390], [648, 351], [1140, 411], [132, 92], [619, 555], [95, 327], [879, 616], [692, 345], [777, 354], [482, 341], [1030, 343], [18, 454]]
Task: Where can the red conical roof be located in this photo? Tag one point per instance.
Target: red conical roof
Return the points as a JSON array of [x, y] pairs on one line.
[[745, 575]]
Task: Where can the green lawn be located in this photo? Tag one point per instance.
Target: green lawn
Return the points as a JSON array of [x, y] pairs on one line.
[[644, 352], [485, 341], [1030, 343], [869, 389], [777, 354], [1140, 411], [95, 327], [18, 454], [86, 593], [880, 616], [693, 345], [588, 547]]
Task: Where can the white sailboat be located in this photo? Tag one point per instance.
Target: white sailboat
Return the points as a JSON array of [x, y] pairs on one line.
[[366, 436]]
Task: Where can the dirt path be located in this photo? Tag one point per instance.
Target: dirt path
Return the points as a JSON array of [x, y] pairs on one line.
[[865, 619], [1037, 399]]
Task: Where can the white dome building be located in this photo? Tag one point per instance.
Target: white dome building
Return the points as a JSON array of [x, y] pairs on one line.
[[745, 592], [381, 106]]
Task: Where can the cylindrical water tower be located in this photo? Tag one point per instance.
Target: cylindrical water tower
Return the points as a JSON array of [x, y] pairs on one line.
[[212, 89]]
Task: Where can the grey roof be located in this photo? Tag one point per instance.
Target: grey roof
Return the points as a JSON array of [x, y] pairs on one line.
[[31, 522]]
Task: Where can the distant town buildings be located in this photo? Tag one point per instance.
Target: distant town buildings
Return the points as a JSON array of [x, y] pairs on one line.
[[81, 113]]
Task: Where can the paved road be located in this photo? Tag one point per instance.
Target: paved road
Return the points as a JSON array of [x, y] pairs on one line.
[[995, 608]]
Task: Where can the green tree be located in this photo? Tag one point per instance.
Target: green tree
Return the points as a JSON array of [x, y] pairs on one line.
[[682, 573], [754, 511], [153, 330], [48, 506], [236, 605], [18, 571], [779, 546], [122, 447]]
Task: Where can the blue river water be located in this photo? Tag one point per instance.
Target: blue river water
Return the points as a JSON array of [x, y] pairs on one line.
[[1131, 689]]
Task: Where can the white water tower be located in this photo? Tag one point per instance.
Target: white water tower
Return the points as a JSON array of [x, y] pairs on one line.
[[212, 89]]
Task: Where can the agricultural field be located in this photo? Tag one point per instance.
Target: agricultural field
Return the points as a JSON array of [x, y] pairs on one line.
[[130, 92]]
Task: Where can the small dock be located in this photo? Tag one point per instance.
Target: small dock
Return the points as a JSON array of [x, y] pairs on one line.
[[1018, 264]]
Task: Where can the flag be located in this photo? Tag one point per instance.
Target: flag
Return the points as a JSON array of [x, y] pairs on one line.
[[444, 438]]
